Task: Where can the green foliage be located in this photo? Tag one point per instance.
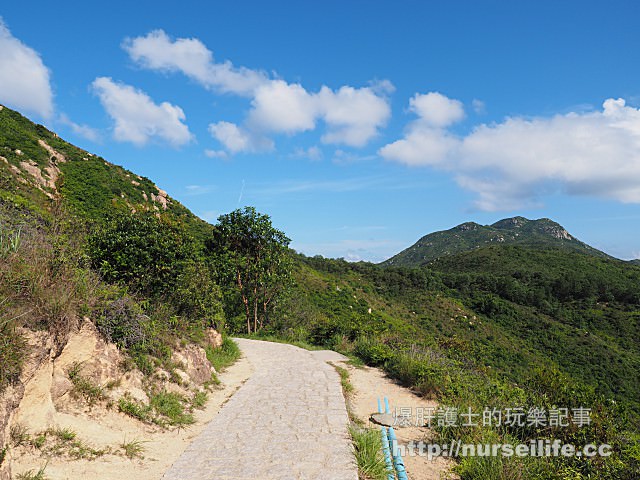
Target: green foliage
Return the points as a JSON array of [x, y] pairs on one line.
[[372, 351], [19, 435], [199, 400], [347, 387], [13, 350], [253, 256], [171, 406], [135, 409], [140, 250], [9, 241], [368, 452], [32, 475], [197, 295], [18, 133], [225, 355], [133, 449], [84, 387], [123, 323]]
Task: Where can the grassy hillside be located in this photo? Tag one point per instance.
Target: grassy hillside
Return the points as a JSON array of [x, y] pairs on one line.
[[80, 236], [542, 233], [517, 314], [496, 327]]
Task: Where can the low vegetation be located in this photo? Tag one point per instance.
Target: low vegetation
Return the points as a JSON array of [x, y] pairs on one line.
[[501, 327], [133, 449], [367, 444], [224, 356]]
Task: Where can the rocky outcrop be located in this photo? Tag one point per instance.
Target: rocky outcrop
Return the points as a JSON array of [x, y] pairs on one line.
[[44, 390], [193, 362], [40, 346], [213, 338]]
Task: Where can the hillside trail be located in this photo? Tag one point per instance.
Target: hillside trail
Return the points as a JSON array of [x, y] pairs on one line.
[[288, 421]]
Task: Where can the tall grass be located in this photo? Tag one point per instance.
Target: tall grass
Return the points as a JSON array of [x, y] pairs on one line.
[[368, 452], [224, 356]]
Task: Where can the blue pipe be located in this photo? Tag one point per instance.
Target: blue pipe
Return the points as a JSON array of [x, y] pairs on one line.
[[397, 456], [387, 454]]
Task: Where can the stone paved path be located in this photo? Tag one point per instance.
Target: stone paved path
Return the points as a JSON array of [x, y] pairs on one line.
[[288, 421]]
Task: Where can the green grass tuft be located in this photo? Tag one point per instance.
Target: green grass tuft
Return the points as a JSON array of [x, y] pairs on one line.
[[225, 356], [84, 387], [368, 452], [133, 448], [171, 406], [32, 475]]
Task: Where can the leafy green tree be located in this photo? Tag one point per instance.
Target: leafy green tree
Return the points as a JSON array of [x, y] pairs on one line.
[[254, 257], [141, 250]]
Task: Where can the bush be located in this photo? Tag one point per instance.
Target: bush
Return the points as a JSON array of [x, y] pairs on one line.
[[226, 355], [140, 250], [122, 323], [373, 352], [12, 353]]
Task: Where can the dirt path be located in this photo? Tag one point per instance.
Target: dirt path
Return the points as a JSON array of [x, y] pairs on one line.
[[370, 384], [288, 421]]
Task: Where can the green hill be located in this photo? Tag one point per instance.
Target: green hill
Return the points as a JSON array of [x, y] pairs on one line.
[[516, 314], [469, 236], [39, 171]]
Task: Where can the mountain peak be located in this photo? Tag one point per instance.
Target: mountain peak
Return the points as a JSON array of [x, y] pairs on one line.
[[540, 233], [513, 222], [464, 227]]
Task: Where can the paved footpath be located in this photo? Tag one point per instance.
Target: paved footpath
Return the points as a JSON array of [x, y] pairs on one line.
[[288, 421]]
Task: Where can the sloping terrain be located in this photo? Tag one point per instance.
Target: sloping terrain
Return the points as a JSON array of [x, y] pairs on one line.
[[541, 233], [519, 313]]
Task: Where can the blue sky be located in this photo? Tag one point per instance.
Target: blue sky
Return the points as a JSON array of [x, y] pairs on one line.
[[358, 126]]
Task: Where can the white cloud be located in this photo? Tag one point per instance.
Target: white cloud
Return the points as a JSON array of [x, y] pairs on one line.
[[137, 118], [282, 107], [237, 139], [215, 153], [157, 51], [514, 163], [352, 116], [24, 79], [312, 153], [81, 130], [436, 110], [479, 106], [421, 146]]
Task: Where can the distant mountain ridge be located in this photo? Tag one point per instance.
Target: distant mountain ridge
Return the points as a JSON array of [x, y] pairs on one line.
[[540, 233]]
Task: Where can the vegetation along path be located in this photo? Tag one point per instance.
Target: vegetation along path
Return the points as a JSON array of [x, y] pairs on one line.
[[288, 421]]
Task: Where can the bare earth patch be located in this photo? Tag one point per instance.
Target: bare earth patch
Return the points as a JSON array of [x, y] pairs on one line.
[[104, 428], [369, 384]]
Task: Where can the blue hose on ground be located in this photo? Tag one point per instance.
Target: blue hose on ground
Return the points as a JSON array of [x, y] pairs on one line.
[[387, 454], [397, 456]]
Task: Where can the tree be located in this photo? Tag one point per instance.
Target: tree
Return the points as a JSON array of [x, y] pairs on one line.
[[141, 250], [254, 257]]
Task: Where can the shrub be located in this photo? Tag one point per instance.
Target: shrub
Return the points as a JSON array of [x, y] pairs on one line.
[[12, 352], [140, 250], [122, 323], [135, 409], [368, 452], [373, 352], [83, 386], [171, 406]]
